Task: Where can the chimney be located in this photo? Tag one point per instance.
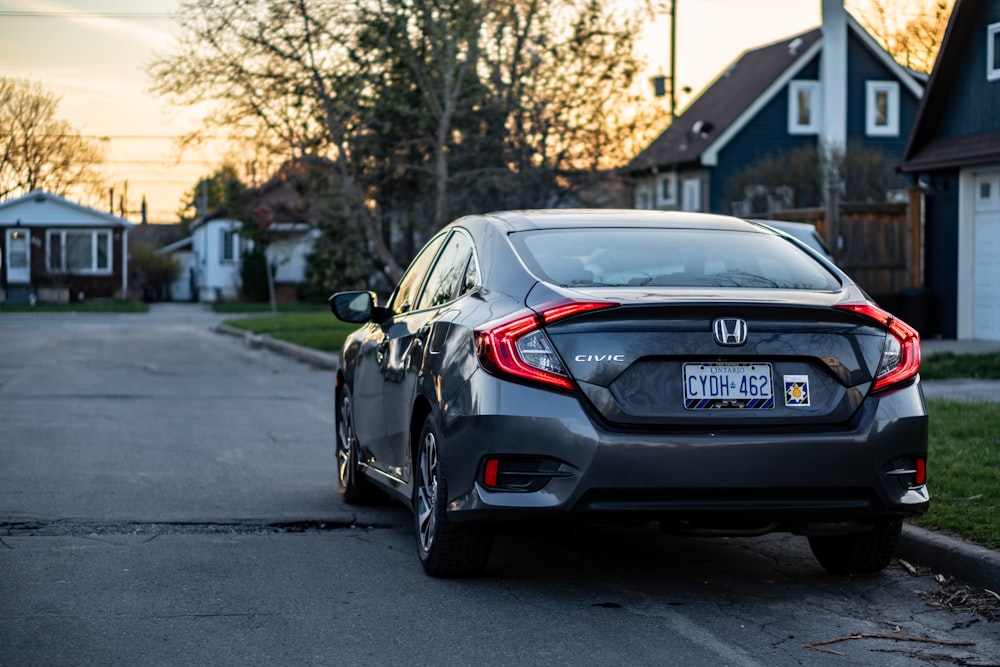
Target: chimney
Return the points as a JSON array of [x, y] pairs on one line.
[[833, 75]]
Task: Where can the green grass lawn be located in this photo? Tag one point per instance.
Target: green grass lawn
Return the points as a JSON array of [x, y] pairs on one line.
[[316, 330], [101, 306], [963, 470], [946, 365], [235, 307]]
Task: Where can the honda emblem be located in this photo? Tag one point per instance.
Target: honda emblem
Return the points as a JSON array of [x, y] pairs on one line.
[[730, 331]]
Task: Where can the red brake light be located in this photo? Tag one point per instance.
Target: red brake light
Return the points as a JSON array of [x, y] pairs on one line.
[[497, 344], [901, 357]]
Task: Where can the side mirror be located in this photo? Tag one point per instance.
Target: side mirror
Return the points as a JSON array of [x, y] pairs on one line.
[[356, 307]]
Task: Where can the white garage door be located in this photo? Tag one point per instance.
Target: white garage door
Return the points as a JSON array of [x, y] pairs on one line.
[[986, 257]]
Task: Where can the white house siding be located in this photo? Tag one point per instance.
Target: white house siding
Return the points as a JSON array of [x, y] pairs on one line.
[[979, 248], [289, 255], [181, 289], [217, 279]]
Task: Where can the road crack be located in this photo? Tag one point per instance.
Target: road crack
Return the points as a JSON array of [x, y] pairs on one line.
[[152, 529]]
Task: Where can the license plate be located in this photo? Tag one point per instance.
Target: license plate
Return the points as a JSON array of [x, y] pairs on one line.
[[716, 385]]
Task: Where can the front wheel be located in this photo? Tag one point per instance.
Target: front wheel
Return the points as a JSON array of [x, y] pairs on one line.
[[446, 549], [856, 554], [354, 488]]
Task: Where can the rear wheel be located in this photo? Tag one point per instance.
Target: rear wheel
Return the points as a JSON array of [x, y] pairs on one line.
[[354, 488], [864, 552], [446, 549]]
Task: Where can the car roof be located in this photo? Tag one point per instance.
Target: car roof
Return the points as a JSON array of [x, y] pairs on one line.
[[528, 220]]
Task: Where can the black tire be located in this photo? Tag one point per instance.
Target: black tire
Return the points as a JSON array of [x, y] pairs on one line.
[[860, 553], [446, 549], [354, 488]]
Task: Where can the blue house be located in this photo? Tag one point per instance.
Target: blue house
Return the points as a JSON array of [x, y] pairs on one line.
[[954, 155], [825, 87]]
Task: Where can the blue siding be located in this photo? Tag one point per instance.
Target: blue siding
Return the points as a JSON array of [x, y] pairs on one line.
[[941, 249], [975, 102], [864, 66], [765, 134]]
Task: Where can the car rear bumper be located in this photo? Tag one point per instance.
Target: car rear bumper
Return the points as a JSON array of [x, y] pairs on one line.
[[560, 462]]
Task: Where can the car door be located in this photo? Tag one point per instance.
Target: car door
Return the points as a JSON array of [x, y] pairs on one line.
[[380, 361], [409, 343]]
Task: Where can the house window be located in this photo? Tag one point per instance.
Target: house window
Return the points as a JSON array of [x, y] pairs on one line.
[[882, 108], [229, 240], [79, 251], [666, 189], [692, 194], [993, 52], [803, 107], [642, 199]]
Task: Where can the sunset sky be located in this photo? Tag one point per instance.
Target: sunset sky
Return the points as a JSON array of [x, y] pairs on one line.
[[93, 53]]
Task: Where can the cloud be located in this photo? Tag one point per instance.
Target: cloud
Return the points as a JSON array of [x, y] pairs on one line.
[[152, 33]]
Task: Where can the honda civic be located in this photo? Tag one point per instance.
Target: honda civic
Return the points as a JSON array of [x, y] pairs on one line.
[[702, 372]]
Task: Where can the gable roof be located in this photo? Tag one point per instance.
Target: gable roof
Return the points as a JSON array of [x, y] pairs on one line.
[[925, 150], [23, 211], [725, 100], [731, 101]]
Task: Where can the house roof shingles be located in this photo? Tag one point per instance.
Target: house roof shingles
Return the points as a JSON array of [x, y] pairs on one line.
[[723, 102]]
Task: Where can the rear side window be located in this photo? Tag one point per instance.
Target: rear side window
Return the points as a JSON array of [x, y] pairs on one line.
[[446, 280], [640, 257]]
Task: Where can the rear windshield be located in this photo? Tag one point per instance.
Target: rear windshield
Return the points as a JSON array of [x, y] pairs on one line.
[[670, 257]]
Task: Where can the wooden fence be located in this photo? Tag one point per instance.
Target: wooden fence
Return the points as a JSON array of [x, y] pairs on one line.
[[878, 245]]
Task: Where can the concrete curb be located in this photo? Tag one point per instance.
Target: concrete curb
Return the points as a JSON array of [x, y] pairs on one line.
[[970, 563], [316, 358]]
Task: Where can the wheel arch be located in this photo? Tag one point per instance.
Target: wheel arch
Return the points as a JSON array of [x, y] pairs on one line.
[[421, 409]]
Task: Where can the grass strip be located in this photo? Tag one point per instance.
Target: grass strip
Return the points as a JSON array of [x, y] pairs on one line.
[[964, 470], [316, 330], [236, 307], [949, 366]]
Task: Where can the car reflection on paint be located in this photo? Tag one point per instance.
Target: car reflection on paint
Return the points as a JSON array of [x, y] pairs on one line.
[[698, 371]]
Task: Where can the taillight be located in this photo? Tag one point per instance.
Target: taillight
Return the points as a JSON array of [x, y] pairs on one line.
[[518, 347], [900, 360]]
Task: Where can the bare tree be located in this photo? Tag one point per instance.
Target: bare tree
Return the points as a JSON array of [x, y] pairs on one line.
[[427, 108], [287, 74], [39, 150], [910, 30]]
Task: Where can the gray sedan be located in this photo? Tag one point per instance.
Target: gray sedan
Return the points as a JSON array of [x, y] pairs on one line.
[[699, 371]]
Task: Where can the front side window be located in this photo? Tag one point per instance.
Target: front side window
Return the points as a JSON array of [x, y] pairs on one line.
[[882, 108], [803, 107], [681, 258], [993, 52], [79, 251], [404, 299]]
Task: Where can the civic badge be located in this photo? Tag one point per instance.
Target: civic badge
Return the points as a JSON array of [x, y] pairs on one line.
[[730, 331]]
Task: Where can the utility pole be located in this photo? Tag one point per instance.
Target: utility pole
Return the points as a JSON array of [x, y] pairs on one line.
[[673, 60], [660, 82]]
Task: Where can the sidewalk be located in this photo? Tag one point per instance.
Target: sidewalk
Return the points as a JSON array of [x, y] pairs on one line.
[[970, 563]]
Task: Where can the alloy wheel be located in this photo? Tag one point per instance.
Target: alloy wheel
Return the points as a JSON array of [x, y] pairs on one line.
[[427, 492]]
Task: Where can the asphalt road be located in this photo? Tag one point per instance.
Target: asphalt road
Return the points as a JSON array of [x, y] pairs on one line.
[[168, 497]]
